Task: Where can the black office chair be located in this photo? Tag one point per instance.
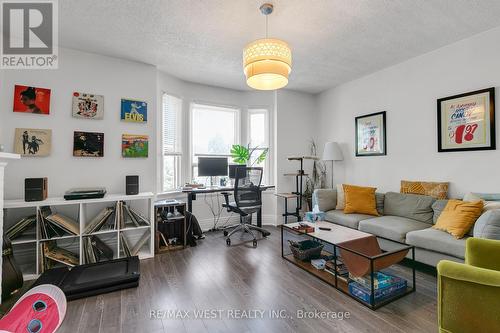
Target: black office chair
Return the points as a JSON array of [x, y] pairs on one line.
[[247, 200]]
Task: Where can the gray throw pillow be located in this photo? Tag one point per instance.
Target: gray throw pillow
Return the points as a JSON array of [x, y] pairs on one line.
[[488, 225], [379, 198], [326, 199], [438, 208]]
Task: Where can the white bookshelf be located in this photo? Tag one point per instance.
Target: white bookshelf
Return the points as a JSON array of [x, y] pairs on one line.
[[4, 159], [27, 248]]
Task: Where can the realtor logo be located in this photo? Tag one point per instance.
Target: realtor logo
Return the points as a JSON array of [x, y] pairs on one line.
[[29, 38]]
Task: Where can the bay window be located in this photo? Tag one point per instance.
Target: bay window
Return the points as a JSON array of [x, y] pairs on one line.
[[171, 142]]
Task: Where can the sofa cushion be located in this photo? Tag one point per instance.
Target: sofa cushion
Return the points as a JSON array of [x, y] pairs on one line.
[[412, 206], [437, 240], [340, 197], [347, 220], [438, 207], [379, 198], [488, 225], [326, 199], [392, 227], [488, 205]]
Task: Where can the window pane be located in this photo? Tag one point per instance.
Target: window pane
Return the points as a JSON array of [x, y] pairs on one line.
[[171, 169], [172, 120], [255, 157], [258, 130], [213, 130]]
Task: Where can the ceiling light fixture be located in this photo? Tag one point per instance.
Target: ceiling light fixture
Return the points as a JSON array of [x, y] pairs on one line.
[[267, 62]]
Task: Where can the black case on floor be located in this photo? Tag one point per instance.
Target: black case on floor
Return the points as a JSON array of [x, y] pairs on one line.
[[93, 279]]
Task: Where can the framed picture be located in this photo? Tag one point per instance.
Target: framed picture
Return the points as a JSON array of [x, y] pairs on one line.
[[88, 106], [31, 99], [371, 135], [88, 144], [32, 142], [135, 145], [134, 111], [467, 121]]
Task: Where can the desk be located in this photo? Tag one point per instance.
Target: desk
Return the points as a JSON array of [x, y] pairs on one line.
[[191, 195]]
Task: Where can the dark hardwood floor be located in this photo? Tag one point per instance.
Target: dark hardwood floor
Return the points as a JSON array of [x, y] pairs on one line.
[[212, 276]]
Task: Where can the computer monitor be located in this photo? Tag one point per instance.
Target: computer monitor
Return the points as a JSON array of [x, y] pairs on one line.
[[212, 166]]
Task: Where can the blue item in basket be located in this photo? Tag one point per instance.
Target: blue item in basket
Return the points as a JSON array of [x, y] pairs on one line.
[[313, 217], [397, 287]]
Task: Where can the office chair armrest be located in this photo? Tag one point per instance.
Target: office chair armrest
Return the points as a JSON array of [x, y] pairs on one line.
[[226, 197]]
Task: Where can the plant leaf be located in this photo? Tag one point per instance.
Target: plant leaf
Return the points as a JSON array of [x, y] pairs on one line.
[[262, 156], [239, 154]]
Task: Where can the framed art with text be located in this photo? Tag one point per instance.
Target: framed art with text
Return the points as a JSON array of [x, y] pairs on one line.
[[88, 106], [467, 121], [134, 111], [371, 134]]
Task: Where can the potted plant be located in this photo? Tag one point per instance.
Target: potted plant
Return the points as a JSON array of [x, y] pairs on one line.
[[243, 155], [317, 178]]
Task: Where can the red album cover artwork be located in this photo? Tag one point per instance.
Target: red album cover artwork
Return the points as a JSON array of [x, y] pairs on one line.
[[31, 100]]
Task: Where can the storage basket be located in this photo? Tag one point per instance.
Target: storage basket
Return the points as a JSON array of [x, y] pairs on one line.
[[306, 250]]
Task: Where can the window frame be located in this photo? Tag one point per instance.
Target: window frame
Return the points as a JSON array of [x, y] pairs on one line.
[[216, 107], [267, 163], [178, 153]]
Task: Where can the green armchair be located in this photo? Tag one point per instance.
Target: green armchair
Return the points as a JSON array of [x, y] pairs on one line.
[[469, 294]]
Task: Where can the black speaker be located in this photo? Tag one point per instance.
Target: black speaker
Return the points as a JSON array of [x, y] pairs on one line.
[[35, 189], [132, 185]]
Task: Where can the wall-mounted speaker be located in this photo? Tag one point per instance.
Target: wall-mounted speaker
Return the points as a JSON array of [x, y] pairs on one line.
[[132, 185], [35, 189]]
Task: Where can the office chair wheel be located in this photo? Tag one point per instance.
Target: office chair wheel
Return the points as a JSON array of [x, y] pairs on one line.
[[254, 243], [225, 233], [228, 242]]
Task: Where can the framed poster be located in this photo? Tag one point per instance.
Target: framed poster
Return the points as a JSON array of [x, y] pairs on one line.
[[32, 142], [135, 145], [371, 134], [31, 99], [88, 144], [467, 121], [88, 106], [134, 111]]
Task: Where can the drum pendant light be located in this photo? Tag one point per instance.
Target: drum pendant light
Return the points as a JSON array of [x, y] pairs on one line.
[[267, 62]]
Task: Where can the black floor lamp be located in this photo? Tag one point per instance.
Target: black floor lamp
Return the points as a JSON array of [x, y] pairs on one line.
[[332, 153]]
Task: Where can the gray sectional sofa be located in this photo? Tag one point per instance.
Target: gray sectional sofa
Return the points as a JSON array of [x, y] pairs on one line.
[[408, 218]]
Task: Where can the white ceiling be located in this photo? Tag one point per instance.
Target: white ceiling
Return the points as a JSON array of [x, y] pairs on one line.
[[333, 41]]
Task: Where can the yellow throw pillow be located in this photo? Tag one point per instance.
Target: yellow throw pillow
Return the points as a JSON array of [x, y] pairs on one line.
[[438, 190], [360, 200], [458, 217]]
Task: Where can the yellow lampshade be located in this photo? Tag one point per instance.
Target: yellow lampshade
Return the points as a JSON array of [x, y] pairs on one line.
[[267, 64]]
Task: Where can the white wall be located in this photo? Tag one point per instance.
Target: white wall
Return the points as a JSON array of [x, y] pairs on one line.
[[296, 116], [83, 72], [291, 122], [408, 92]]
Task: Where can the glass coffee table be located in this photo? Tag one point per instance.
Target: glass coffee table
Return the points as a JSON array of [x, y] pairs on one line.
[[351, 261]]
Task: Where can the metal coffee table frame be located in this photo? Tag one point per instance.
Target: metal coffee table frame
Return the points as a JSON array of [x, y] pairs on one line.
[[339, 279]]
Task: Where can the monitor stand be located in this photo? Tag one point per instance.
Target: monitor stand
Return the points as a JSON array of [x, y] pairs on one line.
[[212, 181]]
